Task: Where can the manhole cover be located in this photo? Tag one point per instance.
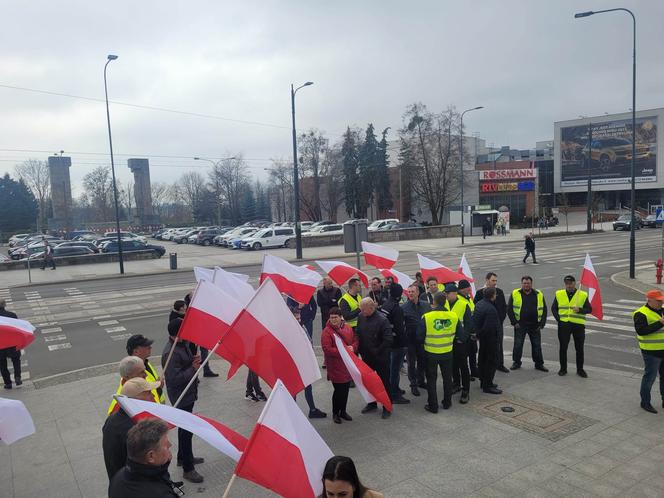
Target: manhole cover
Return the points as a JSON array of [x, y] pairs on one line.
[[507, 409]]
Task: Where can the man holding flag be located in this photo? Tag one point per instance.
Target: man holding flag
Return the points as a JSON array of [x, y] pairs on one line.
[[570, 307]]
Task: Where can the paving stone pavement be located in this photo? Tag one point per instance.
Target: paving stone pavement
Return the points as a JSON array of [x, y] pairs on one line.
[[455, 453]]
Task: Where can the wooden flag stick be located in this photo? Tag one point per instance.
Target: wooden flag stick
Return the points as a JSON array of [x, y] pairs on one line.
[[228, 488]]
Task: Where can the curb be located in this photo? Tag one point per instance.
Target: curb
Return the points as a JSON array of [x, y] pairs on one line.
[[635, 284]]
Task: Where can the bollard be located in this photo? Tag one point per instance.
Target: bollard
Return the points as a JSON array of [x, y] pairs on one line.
[[174, 260]]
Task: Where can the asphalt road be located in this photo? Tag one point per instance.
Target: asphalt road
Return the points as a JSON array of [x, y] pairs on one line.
[[86, 323]]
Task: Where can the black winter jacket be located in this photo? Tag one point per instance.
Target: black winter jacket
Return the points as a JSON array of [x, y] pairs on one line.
[[500, 303], [412, 314], [326, 299], [179, 373], [394, 314], [375, 335], [486, 322], [114, 441], [137, 480]]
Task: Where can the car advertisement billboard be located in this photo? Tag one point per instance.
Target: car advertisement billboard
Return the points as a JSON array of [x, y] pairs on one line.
[[610, 152]]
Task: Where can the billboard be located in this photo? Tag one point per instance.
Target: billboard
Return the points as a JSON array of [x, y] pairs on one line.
[[610, 152], [507, 174]]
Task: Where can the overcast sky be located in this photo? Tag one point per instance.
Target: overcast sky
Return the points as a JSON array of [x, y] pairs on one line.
[[529, 62]]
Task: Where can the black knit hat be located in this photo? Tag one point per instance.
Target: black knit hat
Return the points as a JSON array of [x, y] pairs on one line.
[[396, 291], [463, 284]]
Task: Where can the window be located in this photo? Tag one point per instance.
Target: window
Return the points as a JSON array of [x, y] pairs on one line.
[[286, 231], [267, 234]]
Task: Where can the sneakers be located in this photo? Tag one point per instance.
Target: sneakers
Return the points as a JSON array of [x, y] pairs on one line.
[[193, 476], [251, 397], [316, 413]]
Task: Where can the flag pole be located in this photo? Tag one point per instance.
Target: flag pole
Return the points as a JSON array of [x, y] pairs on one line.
[[230, 483]]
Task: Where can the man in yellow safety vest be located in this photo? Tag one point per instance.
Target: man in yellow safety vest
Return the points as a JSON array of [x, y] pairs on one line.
[[526, 310], [649, 323], [437, 331], [569, 308], [350, 302]]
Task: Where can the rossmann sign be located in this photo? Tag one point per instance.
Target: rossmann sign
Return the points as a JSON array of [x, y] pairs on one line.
[[508, 174]]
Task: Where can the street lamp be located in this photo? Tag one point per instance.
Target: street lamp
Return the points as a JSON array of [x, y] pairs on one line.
[[632, 234], [110, 58], [214, 163], [296, 183], [462, 176]]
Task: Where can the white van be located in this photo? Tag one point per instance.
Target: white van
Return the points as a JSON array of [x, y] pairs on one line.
[[270, 237]]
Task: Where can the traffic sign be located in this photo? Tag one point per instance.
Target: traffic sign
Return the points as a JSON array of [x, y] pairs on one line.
[[660, 215]]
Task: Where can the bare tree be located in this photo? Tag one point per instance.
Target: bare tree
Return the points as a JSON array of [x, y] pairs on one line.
[[35, 175], [428, 138], [563, 208], [313, 149], [190, 188], [281, 188], [233, 178], [126, 197], [160, 195], [99, 191], [332, 183]]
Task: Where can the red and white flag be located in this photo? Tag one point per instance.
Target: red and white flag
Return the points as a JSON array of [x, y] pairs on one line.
[[202, 273], [590, 280], [298, 282], [234, 284], [285, 453], [216, 434], [366, 380], [310, 267], [464, 268], [209, 316], [400, 278], [268, 339], [430, 267], [15, 333], [341, 272], [15, 421], [379, 256]]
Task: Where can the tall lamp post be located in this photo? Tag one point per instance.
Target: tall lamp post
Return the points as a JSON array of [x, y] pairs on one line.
[[632, 235], [296, 183], [463, 227], [214, 163], [115, 187]]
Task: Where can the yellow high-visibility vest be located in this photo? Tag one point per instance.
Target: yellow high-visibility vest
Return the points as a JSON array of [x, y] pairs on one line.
[[654, 341], [440, 330], [566, 307], [459, 308], [353, 304], [469, 301], [517, 301], [151, 376]]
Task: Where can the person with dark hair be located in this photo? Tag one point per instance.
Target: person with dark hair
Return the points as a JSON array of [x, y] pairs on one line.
[[148, 457], [460, 372], [437, 331], [340, 480], [432, 289], [337, 373], [182, 367], [307, 313], [491, 280], [527, 312], [413, 309], [530, 248], [392, 310], [377, 293], [419, 281], [570, 307], [327, 297], [9, 353], [179, 309], [47, 259], [487, 325], [349, 304]]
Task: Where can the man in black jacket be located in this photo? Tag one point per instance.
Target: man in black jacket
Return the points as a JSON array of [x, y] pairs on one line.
[[375, 336], [394, 314], [148, 457], [182, 367], [432, 289], [327, 298], [413, 309], [491, 280], [9, 353], [114, 432], [530, 248], [377, 292], [527, 312], [487, 326]]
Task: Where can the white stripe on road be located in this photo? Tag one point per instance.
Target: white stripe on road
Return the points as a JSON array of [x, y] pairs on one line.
[[115, 329], [51, 330], [54, 338], [120, 337], [108, 322], [64, 345]]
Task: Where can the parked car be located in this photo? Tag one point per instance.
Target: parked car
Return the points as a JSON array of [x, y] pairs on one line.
[[269, 237], [624, 222], [650, 221], [4, 259], [168, 234], [206, 237], [325, 230], [241, 232], [126, 235], [24, 252], [353, 220], [399, 226], [65, 251], [132, 245], [319, 223], [18, 237], [236, 241], [381, 223], [183, 237], [79, 243]]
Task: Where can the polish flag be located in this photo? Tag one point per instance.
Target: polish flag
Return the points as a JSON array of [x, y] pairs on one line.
[[400, 278], [464, 268], [590, 280], [366, 380], [216, 434], [15, 421], [298, 282], [309, 267], [209, 316], [15, 333], [268, 339], [202, 273], [379, 256], [430, 267], [341, 272], [285, 454], [235, 284]]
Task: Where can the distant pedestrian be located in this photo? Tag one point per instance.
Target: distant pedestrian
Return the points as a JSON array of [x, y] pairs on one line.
[[340, 479], [488, 327], [47, 258], [413, 309], [530, 248], [527, 312], [487, 228], [327, 297], [9, 353], [648, 323], [569, 308]]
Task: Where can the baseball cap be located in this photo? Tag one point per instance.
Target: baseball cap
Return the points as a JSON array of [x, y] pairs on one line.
[[137, 385], [655, 294], [451, 287], [137, 340], [569, 278], [464, 284]]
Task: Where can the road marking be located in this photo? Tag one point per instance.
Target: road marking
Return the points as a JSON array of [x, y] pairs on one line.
[[108, 322], [64, 345], [115, 329], [51, 330], [630, 301], [620, 306], [120, 337], [53, 338], [100, 317]]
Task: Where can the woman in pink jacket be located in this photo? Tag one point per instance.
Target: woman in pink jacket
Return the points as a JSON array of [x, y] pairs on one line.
[[337, 373]]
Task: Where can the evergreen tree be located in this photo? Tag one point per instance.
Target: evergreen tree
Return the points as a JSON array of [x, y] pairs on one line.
[[262, 202], [368, 158], [349, 159], [19, 207], [205, 207], [247, 204], [382, 175]]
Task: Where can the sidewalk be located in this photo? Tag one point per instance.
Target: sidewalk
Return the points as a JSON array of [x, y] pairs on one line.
[[567, 437], [188, 257]]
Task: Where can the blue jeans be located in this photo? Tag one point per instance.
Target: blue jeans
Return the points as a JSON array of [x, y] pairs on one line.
[[653, 366], [396, 362]]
